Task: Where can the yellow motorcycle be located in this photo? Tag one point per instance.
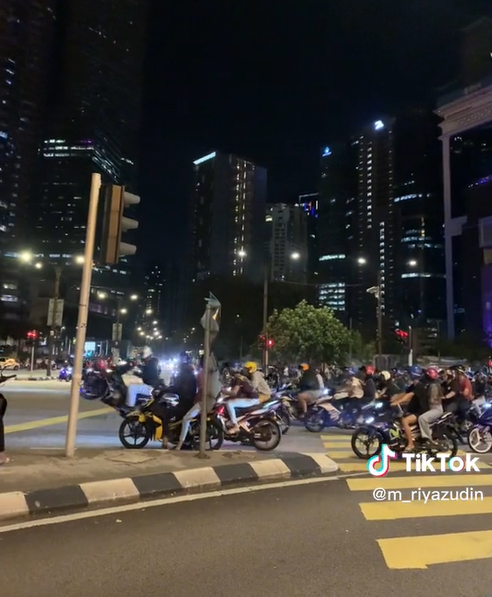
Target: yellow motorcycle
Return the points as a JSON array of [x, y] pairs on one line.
[[142, 425]]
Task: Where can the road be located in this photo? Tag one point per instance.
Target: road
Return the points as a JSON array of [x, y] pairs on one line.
[[37, 412], [292, 541]]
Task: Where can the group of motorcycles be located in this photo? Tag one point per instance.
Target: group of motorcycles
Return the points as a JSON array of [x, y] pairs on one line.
[[373, 422]]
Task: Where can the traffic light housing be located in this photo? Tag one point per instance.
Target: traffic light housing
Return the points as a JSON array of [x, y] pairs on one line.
[[402, 336], [115, 224], [32, 335]]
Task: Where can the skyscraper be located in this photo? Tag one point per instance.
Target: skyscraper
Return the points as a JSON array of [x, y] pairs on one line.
[[381, 222], [26, 43], [310, 204], [228, 207], [288, 243], [95, 118]]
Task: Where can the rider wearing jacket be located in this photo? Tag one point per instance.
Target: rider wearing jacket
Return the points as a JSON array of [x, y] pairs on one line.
[[434, 403]]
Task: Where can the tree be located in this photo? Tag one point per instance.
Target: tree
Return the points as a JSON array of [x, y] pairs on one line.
[[309, 333]]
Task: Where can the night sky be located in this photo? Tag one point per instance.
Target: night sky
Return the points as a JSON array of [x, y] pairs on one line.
[[273, 81]]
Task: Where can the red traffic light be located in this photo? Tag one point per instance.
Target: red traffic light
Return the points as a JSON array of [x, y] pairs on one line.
[[270, 343], [401, 334], [32, 335]]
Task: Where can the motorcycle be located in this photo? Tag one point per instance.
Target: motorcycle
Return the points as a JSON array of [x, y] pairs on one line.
[[342, 412], [143, 424], [372, 436], [66, 374], [480, 435], [260, 425]]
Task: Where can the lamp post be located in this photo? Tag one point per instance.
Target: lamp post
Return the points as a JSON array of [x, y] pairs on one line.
[[27, 257], [377, 291], [294, 256]]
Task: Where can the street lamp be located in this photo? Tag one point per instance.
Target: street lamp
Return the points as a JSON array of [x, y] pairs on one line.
[[79, 259], [377, 291], [38, 265], [134, 297], [26, 256], [412, 263], [124, 311]]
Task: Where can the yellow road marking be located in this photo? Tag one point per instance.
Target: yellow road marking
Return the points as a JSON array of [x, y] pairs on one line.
[[395, 467], [339, 453], [410, 553], [337, 438], [390, 510], [55, 420], [413, 482]]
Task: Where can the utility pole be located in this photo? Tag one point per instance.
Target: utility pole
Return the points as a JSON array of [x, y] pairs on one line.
[[85, 289], [265, 315], [380, 319], [54, 315]]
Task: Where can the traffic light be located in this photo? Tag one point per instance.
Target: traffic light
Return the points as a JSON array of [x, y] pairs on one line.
[[32, 335], [261, 341], [270, 343], [402, 336], [115, 224]]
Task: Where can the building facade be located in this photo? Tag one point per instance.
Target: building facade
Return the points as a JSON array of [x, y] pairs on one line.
[[381, 225], [228, 214], [288, 243]]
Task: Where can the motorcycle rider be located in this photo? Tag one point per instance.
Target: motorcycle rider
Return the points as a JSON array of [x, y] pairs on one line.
[[434, 403], [367, 377], [149, 372], [185, 387], [309, 388], [258, 381], [387, 387], [416, 397], [241, 395]]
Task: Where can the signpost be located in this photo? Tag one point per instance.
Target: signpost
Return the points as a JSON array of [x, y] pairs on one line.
[[210, 323]]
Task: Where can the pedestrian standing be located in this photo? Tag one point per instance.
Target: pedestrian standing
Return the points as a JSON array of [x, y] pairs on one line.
[[3, 410]]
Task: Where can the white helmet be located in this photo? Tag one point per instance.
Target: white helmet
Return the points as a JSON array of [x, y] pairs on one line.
[[146, 352], [386, 375]]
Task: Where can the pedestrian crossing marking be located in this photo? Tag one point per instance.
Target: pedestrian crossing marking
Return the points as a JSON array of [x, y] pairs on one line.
[[416, 481], [340, 453], [418, 553], [389, 510]]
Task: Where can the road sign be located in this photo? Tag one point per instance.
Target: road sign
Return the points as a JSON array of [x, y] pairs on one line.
[[117, 332], [59, 312]]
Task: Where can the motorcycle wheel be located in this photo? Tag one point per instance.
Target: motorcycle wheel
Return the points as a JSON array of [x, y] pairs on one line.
[[284, 420], [372, 439], [264, 428], [314, 421], [131, 427], [480, 443]]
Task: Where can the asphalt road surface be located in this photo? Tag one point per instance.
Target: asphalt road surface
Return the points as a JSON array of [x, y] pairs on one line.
[[310, 539], [37, 413]]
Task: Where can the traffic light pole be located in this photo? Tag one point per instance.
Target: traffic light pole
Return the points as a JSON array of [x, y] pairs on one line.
[[85, 288], [54, 315]]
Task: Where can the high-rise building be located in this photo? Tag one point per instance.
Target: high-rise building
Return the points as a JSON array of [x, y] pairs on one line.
[[381, 223], [154, 290], [95, 117], [228, 205], [27, 29], [310, 203], [26, 42], [288, 243]]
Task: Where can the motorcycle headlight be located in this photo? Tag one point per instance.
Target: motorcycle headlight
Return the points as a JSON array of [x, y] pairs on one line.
[[378, 405], [370, 420]]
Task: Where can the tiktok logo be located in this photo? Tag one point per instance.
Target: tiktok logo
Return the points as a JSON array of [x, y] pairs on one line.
[[379, 465]]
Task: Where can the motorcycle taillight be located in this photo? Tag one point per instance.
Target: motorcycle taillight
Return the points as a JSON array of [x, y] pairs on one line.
[[221, 410]]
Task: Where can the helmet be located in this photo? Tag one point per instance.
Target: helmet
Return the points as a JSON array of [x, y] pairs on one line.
[[369, 370], [146, 352], [415, 372], [432, 372], [386, 375], [304, 366], [250, 366]]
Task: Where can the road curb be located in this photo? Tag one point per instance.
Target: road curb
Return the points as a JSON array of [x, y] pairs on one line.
[[133, 489], [35, 378]]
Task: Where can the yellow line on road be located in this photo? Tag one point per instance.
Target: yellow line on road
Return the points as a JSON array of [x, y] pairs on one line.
[[415, 481], [389, 510], [411, 553], [340, 453], [337, 438], [55, 420]]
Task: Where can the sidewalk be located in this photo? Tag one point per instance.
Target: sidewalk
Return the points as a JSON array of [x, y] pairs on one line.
[[46, 481]]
